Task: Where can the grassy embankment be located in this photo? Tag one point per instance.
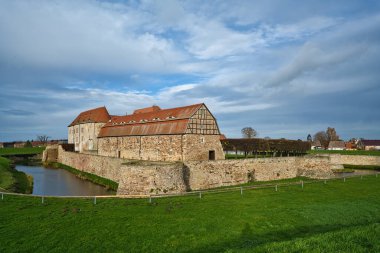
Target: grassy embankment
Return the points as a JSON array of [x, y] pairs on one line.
[[334, 217], [21, 151], [12, 180], [109, 184]]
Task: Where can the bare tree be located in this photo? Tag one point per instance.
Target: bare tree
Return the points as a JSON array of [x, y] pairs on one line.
[[43, 138], [331, 134], [248, 132], [322, 137]]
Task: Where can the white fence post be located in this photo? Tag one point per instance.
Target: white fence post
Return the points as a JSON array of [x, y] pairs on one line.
[[325, 181], [150, 199], [302, 184], [200, 195], [344, 179], [241, 191], [42, 200], [94, 200], [2, 195], [276, 188]]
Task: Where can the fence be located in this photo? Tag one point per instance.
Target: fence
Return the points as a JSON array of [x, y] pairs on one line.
[[197, 194]]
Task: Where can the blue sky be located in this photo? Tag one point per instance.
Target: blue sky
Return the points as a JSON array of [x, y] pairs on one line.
[[285, 68]]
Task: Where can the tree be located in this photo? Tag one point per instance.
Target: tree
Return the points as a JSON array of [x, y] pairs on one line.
[[28, 144], [309, 138], [248, 132], [322, 137], [331, 134], [43, 138]]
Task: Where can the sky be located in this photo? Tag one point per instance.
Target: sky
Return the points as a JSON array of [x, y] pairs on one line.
[[284, 68]]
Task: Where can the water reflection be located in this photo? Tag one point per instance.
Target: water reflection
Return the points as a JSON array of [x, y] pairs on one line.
[[355, 173], [59, 182]]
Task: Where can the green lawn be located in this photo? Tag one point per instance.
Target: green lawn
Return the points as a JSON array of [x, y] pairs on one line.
[[21, 151], [334, 217], [346, 152]]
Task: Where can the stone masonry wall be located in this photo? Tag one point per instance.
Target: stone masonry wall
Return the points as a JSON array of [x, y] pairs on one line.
[[146, 177], [209, 174], [107, 167], [355, 159], [186, 147], [196, 147]]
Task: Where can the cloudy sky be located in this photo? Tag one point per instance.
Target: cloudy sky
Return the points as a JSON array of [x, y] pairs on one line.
[[285, 68]]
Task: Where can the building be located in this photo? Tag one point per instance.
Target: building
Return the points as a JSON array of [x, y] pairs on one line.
[[315, 145], [83, 131], [176, 134], [369, 144], [336, 145], [1, 145]]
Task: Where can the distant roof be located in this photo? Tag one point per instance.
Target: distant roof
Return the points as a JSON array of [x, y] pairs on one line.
[[97, 115], [337, 144], [150, 121], [154, 108], [371, 142]]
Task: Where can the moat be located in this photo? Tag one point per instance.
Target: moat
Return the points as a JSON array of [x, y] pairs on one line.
[[59, 182]]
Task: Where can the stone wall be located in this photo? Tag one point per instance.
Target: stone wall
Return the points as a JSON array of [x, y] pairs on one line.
[[152, 179], [354, 159], [186, 147], [84, 136], [144, 177], [107, 167], [209, 174]]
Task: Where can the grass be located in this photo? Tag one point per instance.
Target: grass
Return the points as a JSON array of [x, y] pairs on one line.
[[334, 217], [346, 152], [21, 151], [12, 180], [362, 167], [109, 184]]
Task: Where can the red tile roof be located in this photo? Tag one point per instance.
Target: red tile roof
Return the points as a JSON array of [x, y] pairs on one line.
[[151, 122], [97, 115], [154, 108]]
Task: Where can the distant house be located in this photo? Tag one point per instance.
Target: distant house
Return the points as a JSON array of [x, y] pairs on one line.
[[336, 145], [19, 144], [1, 145], [316, 145], [369, 144], [350, 145]]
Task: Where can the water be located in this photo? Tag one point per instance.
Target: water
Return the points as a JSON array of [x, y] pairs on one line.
[[355, 173], [59, 182]]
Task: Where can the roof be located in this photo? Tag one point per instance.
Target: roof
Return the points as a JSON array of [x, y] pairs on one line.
[[154, 108], [337, 144], [150, 121], [97, 115], [371, 142]]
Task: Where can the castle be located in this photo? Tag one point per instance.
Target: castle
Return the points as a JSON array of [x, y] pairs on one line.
[[188, 133]]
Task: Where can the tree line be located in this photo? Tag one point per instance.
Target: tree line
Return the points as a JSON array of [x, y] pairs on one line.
[[254, 145]]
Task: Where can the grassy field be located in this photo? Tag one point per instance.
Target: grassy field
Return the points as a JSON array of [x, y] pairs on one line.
[[334, 217], [21, 151], [12, 180], [362, 167], [346, 152]]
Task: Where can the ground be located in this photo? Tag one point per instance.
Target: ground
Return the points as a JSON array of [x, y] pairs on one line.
[[334, 217]]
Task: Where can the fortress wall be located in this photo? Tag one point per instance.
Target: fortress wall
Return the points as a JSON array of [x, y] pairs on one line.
[[102, 166], [355, 159], [145, 177]]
